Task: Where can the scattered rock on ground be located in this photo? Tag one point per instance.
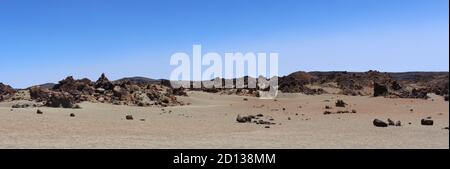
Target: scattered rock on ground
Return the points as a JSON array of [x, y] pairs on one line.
[[427, 122], [390, 122], [244, 119], [340, 103], [379, 123], [327, 112]]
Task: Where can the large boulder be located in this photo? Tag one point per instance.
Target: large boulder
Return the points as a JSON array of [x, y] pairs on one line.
[[427, 122], [179, 92], [379, 123], [142, 99], [121, 94], [379, 90], [60, 99], [39, 94], [419, 93], [243, 119]]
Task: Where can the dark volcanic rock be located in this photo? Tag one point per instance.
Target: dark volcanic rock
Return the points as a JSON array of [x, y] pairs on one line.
[[5, 91], [70, 91], [179, 92], [379, 90], [327, 113], [39, 94], [244, 119], [103, 82], [60, 99], [427, 122], [340, 103], [419, 93], [379, 123], [390, 122], [395, 85], [129, 117]]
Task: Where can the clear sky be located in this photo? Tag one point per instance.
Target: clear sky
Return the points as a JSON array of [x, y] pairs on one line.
[[47, 40]]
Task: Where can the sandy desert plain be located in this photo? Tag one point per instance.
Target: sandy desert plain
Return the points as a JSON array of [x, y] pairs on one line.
[[210, 122]]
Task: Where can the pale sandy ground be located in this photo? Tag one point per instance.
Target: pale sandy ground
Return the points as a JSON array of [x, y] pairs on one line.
[[209, 122]]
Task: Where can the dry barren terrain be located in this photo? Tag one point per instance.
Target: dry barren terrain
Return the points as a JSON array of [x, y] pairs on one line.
[[209, 121]]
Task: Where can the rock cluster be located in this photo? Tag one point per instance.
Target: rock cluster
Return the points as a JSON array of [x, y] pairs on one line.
[[255, 119], [5, 91], [25, 105], [69, 91], [393, 85], [380, 123], [340, 103], [339, 112]]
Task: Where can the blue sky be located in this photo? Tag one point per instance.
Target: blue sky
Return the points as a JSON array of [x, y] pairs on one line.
[[47, 40]]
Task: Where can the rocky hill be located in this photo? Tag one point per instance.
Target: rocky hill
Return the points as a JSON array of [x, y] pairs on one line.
[[68, 92], [5, 91]]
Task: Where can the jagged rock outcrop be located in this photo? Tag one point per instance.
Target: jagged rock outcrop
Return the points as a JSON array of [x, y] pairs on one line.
[[103, 82], [379, 90], [39, 94], [70, 91], [5, 91], [60, 99]]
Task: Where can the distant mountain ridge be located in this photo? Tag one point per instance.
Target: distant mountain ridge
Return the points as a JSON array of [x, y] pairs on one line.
[[138, 80], [47, 85]]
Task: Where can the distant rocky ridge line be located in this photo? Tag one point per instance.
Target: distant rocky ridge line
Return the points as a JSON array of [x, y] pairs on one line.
[[141, 91], [138, 80], [371, 83]]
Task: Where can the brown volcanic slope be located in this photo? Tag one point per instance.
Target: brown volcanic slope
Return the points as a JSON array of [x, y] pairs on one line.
[[404, 85]]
